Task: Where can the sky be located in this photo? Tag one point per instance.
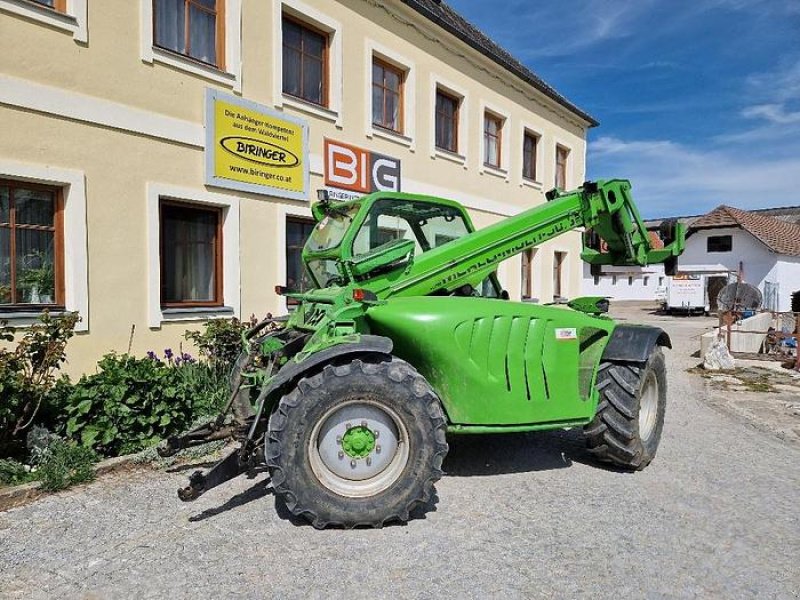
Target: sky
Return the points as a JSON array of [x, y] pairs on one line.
[[698, 100]]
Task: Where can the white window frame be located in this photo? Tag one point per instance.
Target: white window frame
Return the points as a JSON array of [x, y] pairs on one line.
[[74, 20], [505, 143], [231, 76], [76, 278], [528, 128], [460, 157], [373, 50], [565, 273], [231, 275], [333, 28]]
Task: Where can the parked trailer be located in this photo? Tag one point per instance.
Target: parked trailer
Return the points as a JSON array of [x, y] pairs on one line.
[[687, 293]]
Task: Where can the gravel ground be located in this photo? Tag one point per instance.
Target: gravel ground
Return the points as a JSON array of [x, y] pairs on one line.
[[715, 515]]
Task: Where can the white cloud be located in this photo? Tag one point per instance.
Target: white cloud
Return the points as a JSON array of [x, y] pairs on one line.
[[675, 179], [775, 113]]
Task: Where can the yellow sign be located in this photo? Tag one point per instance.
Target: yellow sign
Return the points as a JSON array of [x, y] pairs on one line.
[[252, 148]]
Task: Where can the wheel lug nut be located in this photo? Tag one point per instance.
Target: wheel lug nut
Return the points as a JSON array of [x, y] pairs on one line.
[[352, 464], [377, 449], [376, 433], [341, 455], [339, 440], [347, 426], [364, 424], [369, 460]]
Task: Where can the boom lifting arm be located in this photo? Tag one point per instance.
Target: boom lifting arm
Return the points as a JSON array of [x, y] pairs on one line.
[[604, 207]]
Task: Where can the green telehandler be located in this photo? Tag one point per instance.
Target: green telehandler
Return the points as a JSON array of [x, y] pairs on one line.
[[406, 336]]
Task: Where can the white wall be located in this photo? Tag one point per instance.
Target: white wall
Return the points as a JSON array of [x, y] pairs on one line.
[[645, 282], [789, 280]]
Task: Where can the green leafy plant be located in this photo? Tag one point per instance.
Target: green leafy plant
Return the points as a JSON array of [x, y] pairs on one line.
[[132, 403], [64, 464], [220, 342], [13, 472], [28, 373]]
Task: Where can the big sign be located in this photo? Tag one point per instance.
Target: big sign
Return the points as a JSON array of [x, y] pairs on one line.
[[358, 170], [254, 149]]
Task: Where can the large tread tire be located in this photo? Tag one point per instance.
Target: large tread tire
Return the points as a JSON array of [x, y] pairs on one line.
[[392, 383], [616, 434]]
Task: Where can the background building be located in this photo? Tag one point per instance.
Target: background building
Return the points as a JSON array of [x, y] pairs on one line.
[[763, 245], [149, 180]]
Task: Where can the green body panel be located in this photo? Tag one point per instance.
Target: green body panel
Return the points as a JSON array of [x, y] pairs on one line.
[[494, 362]]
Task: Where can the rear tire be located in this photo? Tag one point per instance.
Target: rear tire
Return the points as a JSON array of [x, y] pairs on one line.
[[627, 427], [360, 443]]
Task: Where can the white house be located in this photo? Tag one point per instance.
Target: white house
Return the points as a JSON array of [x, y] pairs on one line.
[[766, 251], [764, 245]]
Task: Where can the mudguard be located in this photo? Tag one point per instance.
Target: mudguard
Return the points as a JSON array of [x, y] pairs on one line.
[[634, 343], [368, 344]]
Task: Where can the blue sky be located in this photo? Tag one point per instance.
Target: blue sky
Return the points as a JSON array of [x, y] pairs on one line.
[[698, 100]]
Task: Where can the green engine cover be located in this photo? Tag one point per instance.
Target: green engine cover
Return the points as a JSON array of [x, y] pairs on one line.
[[496, 363]]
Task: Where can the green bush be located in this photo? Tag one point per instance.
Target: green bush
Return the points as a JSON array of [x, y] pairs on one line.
[[132, 403], [65, 464], [14, 473], [220, 342], [28, 374]]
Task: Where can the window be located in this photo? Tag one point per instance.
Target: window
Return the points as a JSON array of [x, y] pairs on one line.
[[660, 281], [558, 275], [191, 255], [194, 28], [613, 280], [59, 5], [561, 167], [446, 121], [646, 281], [31, 245], [720, 243], [630, 280], [492, 140], [527, 275], [387, 96], [297, 232], [530, 143], [305, 62], [596, 279]]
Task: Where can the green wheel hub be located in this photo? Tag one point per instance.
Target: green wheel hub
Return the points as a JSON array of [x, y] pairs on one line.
[[358, 442]]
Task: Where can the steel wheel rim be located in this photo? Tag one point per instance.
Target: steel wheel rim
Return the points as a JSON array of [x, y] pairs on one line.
[[374, 471], [648, 407]]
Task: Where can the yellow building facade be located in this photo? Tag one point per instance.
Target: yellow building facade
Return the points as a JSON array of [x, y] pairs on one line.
[[160, 156]]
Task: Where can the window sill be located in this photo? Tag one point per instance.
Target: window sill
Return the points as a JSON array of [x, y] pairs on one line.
[[459, 159], [391, 135], [496, 171], [537, 185], [195, 313], [310, 108], [45, 14], [194, 67], [23, 318]]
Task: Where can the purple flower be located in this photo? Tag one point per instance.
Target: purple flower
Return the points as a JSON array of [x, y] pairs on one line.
[[151, 355], [187, 358], [168, 353]]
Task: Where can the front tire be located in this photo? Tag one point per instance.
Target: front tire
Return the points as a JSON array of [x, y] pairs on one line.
[[627, 426], [360, 443]]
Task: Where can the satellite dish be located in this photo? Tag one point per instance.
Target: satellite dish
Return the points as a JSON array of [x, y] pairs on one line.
[[738, 297]]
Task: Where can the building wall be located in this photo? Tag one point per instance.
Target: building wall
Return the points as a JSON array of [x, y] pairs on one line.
[[98, 110], [625, 283]]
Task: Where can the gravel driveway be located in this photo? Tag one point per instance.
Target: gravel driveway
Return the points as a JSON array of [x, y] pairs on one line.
[[715, 515]]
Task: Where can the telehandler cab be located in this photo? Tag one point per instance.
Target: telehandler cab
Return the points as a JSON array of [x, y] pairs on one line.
[[407, 336]]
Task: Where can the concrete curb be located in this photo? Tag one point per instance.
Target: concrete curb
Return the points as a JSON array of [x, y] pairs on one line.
[[19, 495]]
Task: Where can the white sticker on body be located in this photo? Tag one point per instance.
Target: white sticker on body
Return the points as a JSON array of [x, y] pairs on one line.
[[567, 333]]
